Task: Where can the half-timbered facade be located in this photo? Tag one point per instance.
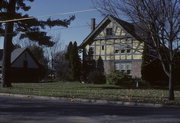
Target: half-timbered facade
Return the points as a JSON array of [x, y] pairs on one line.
[[114, 40]]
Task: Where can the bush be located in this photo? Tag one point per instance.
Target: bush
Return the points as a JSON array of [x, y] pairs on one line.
[[96, 77], [119, 78]]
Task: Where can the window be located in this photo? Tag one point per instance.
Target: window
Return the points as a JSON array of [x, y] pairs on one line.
[[125, 67], [129, 72], [122, 66], [123, 51], [128, 66], [109, 31], [102, 47], [91, 50], [116, 66], [128, 50], [116, 51], [123, 71]]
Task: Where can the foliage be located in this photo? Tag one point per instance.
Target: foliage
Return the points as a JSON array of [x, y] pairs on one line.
[[30, 28], [38, 53], [177, 69], [90, 66], [73, 58], [96, 77], [61, 66], [151, 69], [119, 78], [100, 65], [157, 25]]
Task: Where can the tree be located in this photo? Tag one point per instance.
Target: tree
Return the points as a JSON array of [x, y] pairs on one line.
[[72, 56], [152, 66], [89, 64], [29, 28], [100, 65], [61, 66], [77, 62], [38, 53], [157, 18]]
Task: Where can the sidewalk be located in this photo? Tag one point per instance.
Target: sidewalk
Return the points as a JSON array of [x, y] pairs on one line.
[[89, 101]]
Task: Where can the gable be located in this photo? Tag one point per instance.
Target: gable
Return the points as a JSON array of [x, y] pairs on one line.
[[117, 31], [119, 27], [25, 56]]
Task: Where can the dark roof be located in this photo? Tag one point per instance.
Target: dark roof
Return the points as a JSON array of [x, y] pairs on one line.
[[14, 55], [132, 29]]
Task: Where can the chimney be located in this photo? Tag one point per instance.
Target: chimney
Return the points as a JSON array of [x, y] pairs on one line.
[[93, 24]]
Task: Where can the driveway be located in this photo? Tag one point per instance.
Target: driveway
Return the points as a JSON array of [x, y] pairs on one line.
[[27, 110]]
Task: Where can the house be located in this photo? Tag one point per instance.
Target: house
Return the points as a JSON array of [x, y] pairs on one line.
[[117, 43], [24, 66]]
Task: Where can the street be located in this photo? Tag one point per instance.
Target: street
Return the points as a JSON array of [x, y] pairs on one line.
[[27, 110]]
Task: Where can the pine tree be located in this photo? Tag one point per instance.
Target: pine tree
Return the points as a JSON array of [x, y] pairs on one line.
[[31, 29], [151, 69], [76, 62], [100, 65], [73, 58]]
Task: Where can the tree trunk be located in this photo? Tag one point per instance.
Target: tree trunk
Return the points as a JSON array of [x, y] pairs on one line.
[[8, 46], [171, 88]]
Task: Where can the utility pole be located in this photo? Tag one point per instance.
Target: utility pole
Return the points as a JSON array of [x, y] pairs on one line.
[[6, 69]]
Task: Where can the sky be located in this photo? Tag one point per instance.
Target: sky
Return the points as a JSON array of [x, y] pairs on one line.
[[78, 29]]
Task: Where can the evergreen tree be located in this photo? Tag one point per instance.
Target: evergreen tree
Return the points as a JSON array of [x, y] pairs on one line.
[[90, 61], [100, 65], [151, 69], [30, 28], [76, 63], [72, 56]]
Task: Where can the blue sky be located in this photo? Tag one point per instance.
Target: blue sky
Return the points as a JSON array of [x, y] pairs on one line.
[[79, 28]]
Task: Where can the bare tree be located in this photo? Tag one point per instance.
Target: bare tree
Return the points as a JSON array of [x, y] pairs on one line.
[[51, 52], [160, 19]]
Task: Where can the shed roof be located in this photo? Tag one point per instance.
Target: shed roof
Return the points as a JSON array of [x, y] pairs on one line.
[[14, 55]]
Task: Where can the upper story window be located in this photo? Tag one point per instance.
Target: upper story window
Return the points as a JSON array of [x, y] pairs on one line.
[[128, 50], [102, 47], [123, 51], [91, 50], [109, 31]]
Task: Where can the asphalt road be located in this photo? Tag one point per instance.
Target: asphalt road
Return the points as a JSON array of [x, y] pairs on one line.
[[25, 110]]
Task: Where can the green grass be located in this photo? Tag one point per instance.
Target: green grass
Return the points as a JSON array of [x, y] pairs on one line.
[[91, 91]]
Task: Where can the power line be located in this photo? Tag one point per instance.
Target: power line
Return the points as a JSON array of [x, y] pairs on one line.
[[80, 26], [58, 14]]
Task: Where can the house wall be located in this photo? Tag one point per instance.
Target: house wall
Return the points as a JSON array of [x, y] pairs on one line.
[[118, 50], [19, 63], [24, 75]]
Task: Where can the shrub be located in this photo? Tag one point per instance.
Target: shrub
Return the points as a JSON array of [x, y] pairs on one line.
[[96, 77], [119, 78]]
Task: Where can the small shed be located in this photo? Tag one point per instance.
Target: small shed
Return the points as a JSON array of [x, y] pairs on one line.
[[24, 66]]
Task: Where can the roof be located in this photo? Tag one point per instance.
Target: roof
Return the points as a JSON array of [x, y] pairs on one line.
[[15, 55], [133, 29]]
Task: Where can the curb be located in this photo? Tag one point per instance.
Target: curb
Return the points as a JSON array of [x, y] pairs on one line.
[[89, 101]]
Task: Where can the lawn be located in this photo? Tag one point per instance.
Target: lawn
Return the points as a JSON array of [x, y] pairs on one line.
[[91, 91]]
